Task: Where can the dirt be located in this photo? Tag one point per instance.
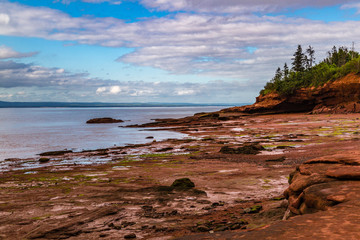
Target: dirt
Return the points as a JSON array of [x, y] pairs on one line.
[[126, 191]]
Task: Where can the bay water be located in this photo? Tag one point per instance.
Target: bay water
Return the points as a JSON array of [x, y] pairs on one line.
[[26, 132]]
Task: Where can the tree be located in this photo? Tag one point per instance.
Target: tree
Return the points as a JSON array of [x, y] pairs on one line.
[[278, 75], [311, 58], [298, 60], [286, 70], [340, 56]]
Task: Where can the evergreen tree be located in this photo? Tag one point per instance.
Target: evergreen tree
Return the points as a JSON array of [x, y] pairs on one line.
[[311, 56], [339, 62], [340, 56], [298, 60], [286, 70], [278, 75]]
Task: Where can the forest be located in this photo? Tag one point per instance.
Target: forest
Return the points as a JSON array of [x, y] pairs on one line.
[[305, 72]]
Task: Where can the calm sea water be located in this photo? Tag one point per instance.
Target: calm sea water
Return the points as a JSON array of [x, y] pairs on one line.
[[25, 132]]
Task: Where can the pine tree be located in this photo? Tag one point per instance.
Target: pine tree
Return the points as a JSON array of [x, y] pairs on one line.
[[298, 60], [286, 70], [278, 75], [311, 58]]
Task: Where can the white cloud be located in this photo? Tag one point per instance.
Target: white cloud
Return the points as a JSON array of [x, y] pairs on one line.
[[185, 92], [188, 43], [6, 52], [352, 5], [211, 91], [21, 82], [101, 90], [115, 89], [114, 2], [6, 95], [13, 74], [201, 43], [4, 19], [236, 6], [101, 1]]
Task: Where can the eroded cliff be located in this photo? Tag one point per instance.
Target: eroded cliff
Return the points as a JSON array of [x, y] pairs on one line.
[[340, 96]]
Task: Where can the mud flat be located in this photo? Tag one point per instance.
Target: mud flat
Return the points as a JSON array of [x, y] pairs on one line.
[[127, 192]]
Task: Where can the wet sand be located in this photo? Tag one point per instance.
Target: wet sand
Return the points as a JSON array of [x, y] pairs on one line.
[[112, 193]]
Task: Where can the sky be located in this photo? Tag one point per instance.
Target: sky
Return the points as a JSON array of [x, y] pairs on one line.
[[195, 51]]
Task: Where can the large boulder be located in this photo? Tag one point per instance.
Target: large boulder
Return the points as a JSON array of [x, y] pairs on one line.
[[183, 184], [323, 182]]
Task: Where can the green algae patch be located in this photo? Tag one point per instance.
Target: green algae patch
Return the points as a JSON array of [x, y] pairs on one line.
[[156, 155]]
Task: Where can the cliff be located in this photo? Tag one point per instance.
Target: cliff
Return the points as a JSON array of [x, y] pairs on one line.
[[340, 96]]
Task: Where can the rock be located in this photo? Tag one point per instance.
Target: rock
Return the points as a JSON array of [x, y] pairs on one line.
[[339, 96], [235, 226], [221, 228], [164, 149], [247, 148], [150, 137], [44, 160], [147, 208], [103, 120], [207, 115], [336, 159], [253, 209], [203, 228], [130, 236], [320, 183], [115, 226], [345, 172], [301, 182], [126, 224], [217, 204], [55, 153], [183, 183], [281, 159]]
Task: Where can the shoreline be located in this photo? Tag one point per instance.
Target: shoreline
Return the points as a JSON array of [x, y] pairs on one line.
[[43, 130], [133, 188]]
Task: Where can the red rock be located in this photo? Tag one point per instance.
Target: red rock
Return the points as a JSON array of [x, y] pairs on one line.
[[304, 181], [345, 172], [340, 96], [353, 159]]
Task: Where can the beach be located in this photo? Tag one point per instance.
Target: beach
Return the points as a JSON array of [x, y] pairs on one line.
[[131, 193]]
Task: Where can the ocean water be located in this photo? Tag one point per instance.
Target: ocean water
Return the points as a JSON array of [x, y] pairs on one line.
[[26, 132]]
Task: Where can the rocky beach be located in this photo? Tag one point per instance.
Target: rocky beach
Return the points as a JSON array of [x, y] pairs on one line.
[[188, 120], [241, 166]]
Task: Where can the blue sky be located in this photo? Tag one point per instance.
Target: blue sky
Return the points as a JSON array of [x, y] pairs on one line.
[[160, 50]]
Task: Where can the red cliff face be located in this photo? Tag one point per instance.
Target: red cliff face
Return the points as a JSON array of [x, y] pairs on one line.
[[340, 96]]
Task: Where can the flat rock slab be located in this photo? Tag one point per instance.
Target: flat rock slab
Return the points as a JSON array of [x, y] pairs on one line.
[[348, 159], [337, 223], [345, 173]]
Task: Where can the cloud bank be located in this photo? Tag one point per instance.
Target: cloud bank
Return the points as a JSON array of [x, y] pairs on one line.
[[186, 43], [236, 6], [200, 41]]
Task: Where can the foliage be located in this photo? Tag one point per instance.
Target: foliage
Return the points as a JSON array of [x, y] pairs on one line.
[[339, 62]]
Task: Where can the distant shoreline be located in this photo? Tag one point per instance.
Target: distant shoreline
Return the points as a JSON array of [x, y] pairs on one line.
[[99, 104]]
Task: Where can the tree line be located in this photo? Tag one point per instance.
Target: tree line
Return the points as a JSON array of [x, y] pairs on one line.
[[306, 73]]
